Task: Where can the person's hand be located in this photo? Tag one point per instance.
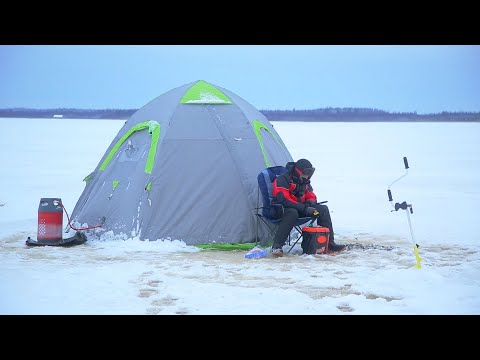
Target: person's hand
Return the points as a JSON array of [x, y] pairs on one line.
[[311, 211]]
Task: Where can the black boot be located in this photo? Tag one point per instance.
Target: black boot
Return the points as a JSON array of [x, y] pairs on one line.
[[277, 252], [334, 247]]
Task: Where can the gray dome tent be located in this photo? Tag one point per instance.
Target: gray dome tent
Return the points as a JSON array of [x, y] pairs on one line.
[[184, 166]]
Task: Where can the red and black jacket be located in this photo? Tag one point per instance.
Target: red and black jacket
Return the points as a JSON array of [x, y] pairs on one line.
[[291, 192]]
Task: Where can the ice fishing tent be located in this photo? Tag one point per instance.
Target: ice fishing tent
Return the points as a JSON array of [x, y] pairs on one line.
[[184, 166]]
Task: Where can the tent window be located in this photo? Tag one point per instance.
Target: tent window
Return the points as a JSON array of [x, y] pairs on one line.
[[153, 129], [257, 127]]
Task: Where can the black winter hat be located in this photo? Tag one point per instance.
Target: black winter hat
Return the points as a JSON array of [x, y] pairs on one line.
[[303, 164]]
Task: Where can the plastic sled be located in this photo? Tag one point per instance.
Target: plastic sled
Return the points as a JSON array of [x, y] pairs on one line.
[[77, 239]]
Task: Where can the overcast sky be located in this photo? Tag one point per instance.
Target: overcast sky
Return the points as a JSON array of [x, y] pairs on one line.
[[422, 78]]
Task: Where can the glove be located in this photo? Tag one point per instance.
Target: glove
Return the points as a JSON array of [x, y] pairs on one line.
[[311, 211]]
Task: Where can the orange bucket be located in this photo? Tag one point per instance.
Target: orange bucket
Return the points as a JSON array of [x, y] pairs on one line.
[[315, 240]]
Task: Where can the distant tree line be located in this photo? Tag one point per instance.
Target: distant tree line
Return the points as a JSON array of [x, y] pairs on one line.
[[68, 113], [364, 115], [324, 114]]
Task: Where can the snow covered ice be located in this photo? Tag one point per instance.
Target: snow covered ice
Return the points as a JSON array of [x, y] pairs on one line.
[[355, 163]]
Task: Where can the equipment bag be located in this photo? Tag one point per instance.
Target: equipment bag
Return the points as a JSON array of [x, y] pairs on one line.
[[315, 240]]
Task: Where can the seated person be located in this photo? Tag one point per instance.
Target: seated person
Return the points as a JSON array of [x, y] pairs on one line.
[[293, 191]]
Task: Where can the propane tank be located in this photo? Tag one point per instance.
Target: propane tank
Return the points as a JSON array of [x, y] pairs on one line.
[[50, 219]]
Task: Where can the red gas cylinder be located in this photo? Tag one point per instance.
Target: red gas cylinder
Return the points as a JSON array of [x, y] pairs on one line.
[[50, 219]]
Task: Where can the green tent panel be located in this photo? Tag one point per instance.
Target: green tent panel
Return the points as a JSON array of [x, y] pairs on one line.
[[204, 93]]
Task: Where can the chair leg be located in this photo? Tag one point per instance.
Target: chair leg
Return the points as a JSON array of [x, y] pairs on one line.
[[296, 241], [272, 229], [299, 229], [258, 198]]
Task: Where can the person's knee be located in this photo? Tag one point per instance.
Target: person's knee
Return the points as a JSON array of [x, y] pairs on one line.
[[291, 213], [322, 209]]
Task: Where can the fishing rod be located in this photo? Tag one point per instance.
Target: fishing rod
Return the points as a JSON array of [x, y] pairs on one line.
[[408, 210]]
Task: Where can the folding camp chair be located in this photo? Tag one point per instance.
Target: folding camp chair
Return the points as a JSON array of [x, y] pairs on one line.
[[269, 210]]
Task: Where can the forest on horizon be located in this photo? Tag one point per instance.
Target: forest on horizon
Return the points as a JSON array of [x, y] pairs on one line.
[[328, 114]]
